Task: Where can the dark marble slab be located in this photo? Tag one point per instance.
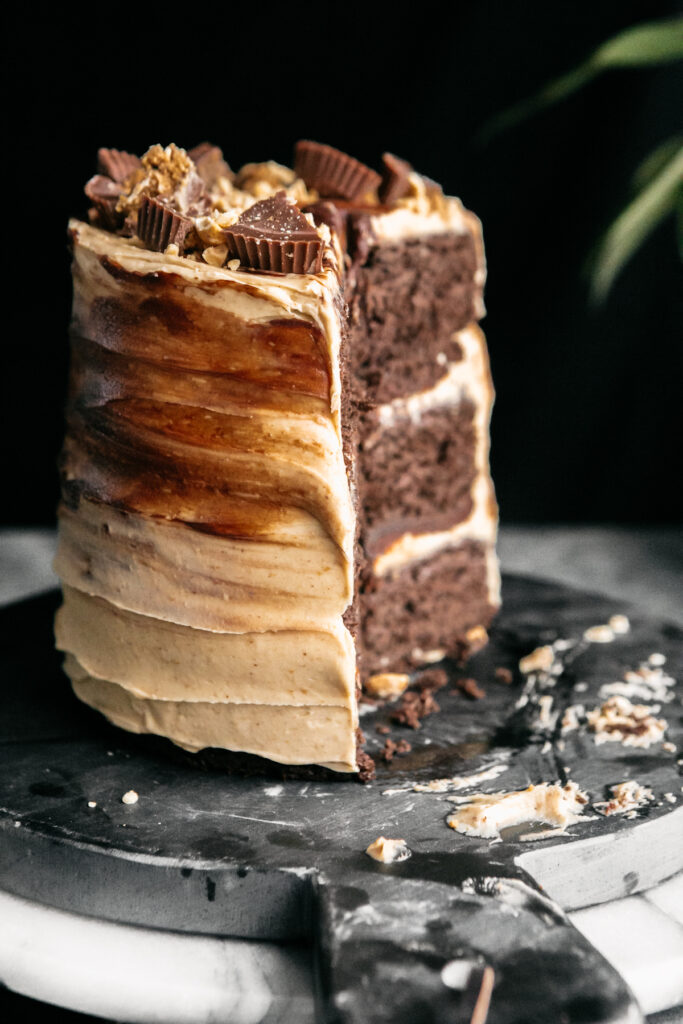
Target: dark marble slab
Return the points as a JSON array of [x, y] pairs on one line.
[[260, 858]]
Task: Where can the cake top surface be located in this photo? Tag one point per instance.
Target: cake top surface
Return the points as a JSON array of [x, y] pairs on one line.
[[265, 217]]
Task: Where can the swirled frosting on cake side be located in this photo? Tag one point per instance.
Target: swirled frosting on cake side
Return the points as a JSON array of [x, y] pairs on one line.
[[207, 512]]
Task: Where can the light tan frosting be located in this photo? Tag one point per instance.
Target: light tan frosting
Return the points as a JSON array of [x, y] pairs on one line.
[[294, 579], [161, 660], [322, 735], [208, 607]]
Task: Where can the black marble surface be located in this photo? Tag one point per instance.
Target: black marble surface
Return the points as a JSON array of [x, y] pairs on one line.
[[209, 853]]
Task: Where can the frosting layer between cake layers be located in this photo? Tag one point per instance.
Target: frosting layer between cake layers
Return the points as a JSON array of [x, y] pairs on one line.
[[207, 529], [430, 516], [430, 585]]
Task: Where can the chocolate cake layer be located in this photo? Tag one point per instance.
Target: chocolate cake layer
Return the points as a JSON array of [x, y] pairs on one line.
[[425, 610], [415, 470], [409, 298]]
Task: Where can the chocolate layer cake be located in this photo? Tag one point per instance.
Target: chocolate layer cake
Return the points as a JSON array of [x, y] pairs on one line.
[[275, 473]]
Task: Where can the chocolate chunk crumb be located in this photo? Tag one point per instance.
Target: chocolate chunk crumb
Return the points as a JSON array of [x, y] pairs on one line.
[[470, 687], [332, 173], [366, 767], [395, 179], [328, 213], [104, 193], [388, 751], [117, 164], [159, 225], [382, 729], [504, 675], [432, 679], [210, 164], [274, 235], [391, 749], [415, 704]]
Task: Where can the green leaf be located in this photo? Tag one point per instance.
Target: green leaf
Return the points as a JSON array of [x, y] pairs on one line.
[[652, 164], [654, 42], [635, 223]]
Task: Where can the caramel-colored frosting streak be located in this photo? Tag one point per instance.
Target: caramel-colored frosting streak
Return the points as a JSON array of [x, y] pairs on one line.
[[207, 527]]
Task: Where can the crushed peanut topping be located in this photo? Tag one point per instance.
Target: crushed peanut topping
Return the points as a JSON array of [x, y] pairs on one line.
[[164, 170]]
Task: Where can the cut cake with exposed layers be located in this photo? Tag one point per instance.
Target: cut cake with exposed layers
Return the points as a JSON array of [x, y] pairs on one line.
[[275, 472]]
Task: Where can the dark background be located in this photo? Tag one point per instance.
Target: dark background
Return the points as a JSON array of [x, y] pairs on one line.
[[588, 403]]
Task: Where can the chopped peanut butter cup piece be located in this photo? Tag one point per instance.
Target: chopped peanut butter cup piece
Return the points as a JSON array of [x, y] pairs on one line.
[[159, 225], [332, 173], [395, 178], [208, 159], [104, 194], [117, 164], [324, 212], [274, 235]]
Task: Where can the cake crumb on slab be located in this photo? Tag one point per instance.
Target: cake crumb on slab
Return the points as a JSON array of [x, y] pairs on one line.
[[388, 851], [540, 660], [648, 681], [627, 797], [601, 634], [131, 797], [470, 688], [457, 782], [618, 720]]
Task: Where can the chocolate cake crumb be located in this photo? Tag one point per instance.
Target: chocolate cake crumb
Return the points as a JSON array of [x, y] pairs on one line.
[[504, 675], [366, 767], [388, 751], [470, 687], [415, 704], [392, 749], [382, 729], [433, 679]]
